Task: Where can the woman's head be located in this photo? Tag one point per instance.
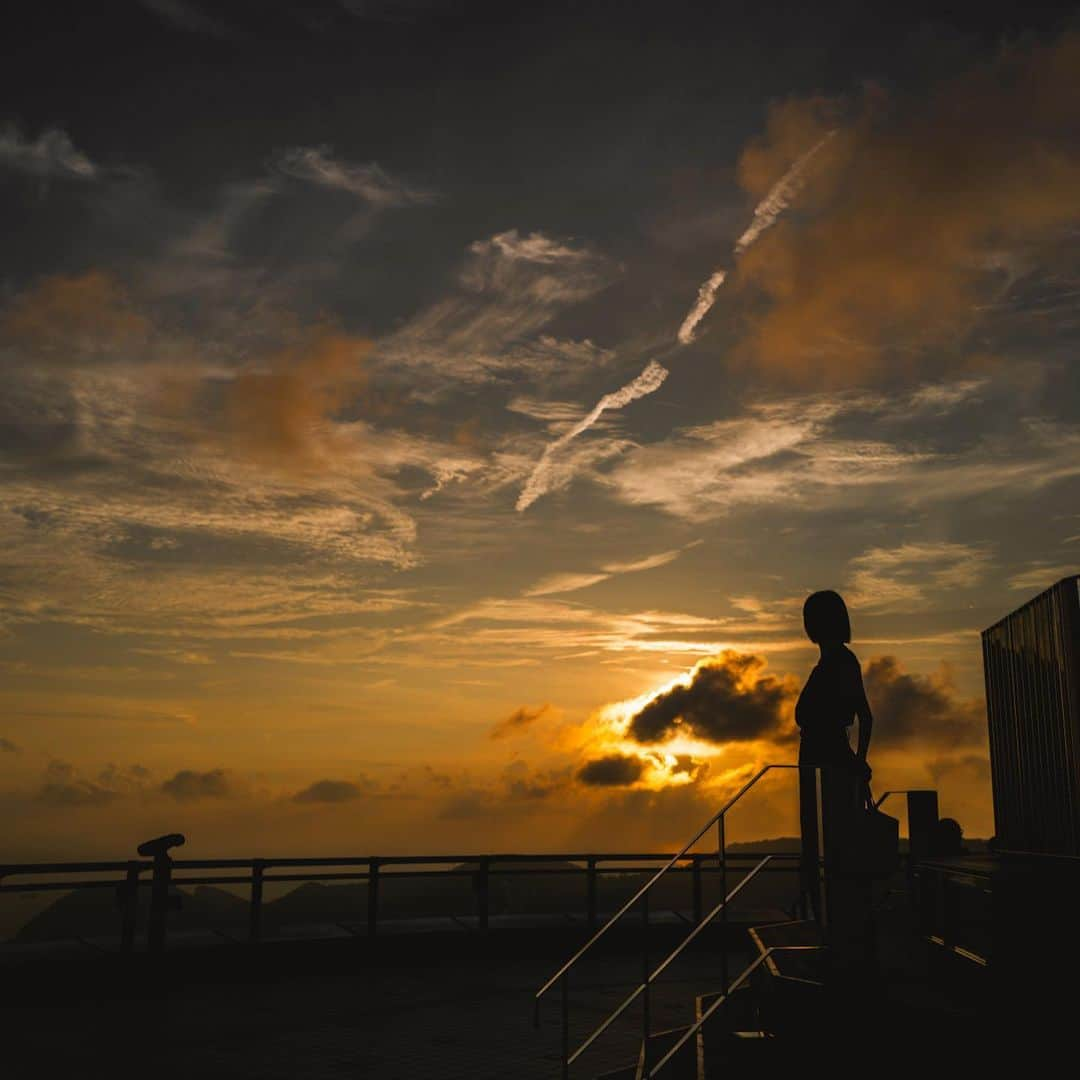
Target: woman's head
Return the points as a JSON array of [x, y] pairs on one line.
[[825, 618]]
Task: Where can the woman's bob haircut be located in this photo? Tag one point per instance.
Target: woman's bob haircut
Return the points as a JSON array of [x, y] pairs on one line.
[[825, 617]]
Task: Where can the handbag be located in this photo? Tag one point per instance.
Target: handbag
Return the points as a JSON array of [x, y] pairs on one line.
[[871, 845]]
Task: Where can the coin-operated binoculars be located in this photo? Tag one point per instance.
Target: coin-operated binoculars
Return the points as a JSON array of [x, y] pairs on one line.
[[160, 900]]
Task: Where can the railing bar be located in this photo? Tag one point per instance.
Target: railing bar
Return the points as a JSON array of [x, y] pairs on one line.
[[634, 995], [708, 918], [243, 879], [233, 864]]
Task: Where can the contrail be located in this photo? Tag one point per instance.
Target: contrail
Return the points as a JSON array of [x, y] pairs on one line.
[[779, 198], [706, 297], [649, 380], [765, 214]]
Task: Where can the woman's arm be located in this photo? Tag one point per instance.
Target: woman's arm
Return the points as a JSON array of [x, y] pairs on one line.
[[866, 726], [866, 721]]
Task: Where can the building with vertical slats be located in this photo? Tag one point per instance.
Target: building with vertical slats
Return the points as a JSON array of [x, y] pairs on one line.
[[1031, 663]]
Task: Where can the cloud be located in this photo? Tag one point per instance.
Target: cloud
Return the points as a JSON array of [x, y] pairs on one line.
[[369, 182], [65, 787], [805, 453], [489, 329], [706, 297], [766, 213], [189, 785], [540, 479], [725, 699], [923, 708], [51, 154], [518, 721], [8, 747], [278, 411], [612, 770], [571, 582], [910, 214], [1041, 575], [68, 320], [912, 576], [564, 583], [332, 791]]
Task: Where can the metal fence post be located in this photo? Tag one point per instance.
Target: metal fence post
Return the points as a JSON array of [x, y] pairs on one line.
[[722, 849], [645, 1018], [372, 897], [564, 995], [255, 914], [695, 869], [129, 907], [483, 892], [590, 874]]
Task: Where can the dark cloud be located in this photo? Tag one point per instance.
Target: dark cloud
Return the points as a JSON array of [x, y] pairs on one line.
[[925, 708], [331, 791], [8, 747], [917, 215], [51, 154], [188, 785], [612, 770], [519, 720], [64, 787], [726, 700]]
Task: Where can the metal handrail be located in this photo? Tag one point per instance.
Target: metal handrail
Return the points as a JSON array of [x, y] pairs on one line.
[[663, 965], [718, 816], [697, 1026]]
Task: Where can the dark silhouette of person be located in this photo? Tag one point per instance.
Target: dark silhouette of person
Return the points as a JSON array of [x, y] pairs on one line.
[[830, 702]]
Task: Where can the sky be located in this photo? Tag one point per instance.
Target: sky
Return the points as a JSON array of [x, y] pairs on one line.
[[421, 423]]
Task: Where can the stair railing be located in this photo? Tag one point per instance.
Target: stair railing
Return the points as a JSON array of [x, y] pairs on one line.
[[651, 976], [561, 977], [692, 1031]]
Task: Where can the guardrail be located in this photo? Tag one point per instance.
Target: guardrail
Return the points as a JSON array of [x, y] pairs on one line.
[[162, 873]]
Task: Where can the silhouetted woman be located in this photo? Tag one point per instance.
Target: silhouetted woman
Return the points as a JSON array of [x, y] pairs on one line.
[[830, 702]]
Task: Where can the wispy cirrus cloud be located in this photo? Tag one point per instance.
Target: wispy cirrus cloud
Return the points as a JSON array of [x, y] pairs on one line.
[[368, 181], [571, 582], [490, 328], [1041, 575], [912, 576], [52, 154], [806, 452]]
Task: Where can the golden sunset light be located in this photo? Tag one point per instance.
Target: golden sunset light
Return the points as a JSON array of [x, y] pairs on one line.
[[428, 426]]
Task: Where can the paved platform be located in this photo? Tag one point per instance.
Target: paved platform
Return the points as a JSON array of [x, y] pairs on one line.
[[453, 1008]]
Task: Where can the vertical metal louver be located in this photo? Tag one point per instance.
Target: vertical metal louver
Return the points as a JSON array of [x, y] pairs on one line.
[[1031, 663]]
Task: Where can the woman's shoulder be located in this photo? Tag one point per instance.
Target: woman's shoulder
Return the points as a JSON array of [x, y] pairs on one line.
[[842, 660]]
